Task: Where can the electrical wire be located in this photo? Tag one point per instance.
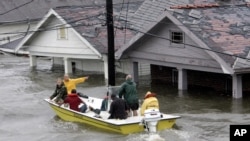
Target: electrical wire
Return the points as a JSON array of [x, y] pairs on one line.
[[16, 7], [119, 15], [122, 28], [143, 19], [56, 27], [160, 37], [126, 22]]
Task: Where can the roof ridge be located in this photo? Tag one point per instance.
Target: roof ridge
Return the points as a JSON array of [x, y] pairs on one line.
[[205, 5]]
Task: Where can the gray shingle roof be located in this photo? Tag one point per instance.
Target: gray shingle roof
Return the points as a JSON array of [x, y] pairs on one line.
[[38, 8], [224, 29], [90, 22]]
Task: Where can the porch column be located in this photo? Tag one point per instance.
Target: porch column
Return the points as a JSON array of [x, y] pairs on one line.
[[134, 71], [105, 59], [33, 61], [67, 66], [237, 86], [182, 79]]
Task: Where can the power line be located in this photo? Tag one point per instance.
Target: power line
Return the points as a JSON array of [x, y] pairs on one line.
[[119, 27], [16, 7], [160, 37], [133, 18], [55, 28], [37, 19]]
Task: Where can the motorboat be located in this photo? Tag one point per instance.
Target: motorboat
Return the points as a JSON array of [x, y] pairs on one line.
[[152, 121]]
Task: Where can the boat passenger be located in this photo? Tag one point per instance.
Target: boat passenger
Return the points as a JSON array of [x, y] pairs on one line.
[[71, 83], [74, 101], [118, 108], [150, 102], [129, 92], [60, 92]]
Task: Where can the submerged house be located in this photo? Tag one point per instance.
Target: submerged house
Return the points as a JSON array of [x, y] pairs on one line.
[[193, 42], [76, 37], [19, 17]]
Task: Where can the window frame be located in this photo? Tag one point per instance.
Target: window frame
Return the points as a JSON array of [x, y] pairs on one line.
[[177, 39], [62, 33]]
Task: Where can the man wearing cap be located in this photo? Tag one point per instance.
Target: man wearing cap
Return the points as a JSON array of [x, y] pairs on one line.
[[150, 102]]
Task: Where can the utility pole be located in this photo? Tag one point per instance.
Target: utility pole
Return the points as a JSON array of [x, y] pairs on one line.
[[111, 46]]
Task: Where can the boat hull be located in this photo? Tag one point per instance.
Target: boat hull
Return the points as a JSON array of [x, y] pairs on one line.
[[118, 126]]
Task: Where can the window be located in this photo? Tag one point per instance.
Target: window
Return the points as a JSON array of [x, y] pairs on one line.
[[177, 37], [62, 33]]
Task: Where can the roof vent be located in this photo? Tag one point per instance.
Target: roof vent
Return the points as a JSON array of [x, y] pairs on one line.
[[195, 14]]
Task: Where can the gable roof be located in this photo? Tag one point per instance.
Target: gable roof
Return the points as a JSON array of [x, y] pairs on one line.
[[222, 31], [89, 23]]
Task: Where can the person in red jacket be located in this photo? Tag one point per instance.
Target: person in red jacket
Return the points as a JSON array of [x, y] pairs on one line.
[[74, 101]]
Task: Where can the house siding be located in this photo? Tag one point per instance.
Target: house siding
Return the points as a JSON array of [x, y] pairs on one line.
[[48, 44], [161, 50]]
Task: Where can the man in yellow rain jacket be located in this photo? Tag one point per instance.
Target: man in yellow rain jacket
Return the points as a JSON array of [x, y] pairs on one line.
[[150, 102], [71, 83]]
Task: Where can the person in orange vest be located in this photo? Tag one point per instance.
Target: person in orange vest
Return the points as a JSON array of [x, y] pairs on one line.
[[71, 83], [150, 102]]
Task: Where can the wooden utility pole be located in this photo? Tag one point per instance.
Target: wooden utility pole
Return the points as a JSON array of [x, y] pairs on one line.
[[111, 46]]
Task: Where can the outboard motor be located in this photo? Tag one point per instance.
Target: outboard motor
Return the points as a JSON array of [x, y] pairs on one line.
[[151, 118]]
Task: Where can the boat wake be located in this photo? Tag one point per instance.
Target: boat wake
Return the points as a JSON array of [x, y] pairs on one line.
[[155, 137], [147, 137]]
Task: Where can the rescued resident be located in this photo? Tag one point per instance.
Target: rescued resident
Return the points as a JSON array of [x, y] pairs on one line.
[[71, 83], [74, 101], [150, 102], [60, 92], [118, 108], [129, 92]]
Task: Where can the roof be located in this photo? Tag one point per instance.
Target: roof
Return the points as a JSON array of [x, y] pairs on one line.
[[90, 23], [36, 9], [11, 45], [224, 28]]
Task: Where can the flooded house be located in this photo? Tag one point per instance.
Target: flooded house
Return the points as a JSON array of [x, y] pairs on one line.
[[75, 37], [193, 43]]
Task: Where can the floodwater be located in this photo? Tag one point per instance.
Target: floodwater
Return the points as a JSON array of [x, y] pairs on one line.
[[24, 116]]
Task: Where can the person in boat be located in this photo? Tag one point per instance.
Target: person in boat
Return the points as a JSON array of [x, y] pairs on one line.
[[74, 101], [129, 92], [60, 92], [150, 102], [118, 108], [71, 83]]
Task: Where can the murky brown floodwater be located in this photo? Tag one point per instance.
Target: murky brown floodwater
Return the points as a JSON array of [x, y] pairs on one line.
[[26, 117]]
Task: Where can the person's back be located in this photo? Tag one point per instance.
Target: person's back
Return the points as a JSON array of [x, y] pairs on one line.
[[129, 92], [118, 108], [150, 102], [73, 100]]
